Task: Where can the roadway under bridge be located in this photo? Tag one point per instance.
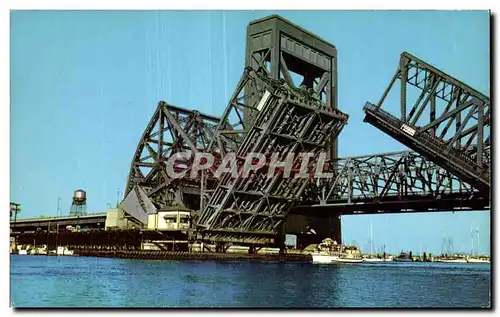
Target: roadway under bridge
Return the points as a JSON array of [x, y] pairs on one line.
[[86, 222]]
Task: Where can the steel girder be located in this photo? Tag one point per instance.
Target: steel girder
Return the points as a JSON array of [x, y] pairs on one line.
[[250, 210], [440, 117], [288, 121], [391, 182], [171, 130], [286, 51]]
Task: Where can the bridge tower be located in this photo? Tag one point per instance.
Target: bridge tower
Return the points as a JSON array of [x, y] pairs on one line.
[[288, 52]]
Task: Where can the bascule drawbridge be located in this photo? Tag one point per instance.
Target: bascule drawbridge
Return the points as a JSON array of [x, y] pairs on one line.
[[444, 123]]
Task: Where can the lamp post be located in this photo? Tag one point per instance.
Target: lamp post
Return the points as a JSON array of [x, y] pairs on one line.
[[117, 197], [59, 213]]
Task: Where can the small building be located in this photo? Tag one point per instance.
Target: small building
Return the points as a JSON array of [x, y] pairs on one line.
[[117, 219], [170, 218]]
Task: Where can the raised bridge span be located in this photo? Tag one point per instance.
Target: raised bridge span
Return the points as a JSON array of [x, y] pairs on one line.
[[446, 128], [444, 123]]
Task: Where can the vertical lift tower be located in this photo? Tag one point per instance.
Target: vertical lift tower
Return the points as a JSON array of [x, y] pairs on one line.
[[286, 51]]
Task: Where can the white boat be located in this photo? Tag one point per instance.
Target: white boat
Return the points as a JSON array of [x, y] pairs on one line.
[[476, 260], [330, 251], [68, 252], [23, 252], [388, 258], [347, 260], [373, 260], [60, 250], [370, 257], [452, 260], [323, 258], [64, 251]]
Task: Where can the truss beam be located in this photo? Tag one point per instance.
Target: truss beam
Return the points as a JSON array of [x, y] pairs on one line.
[[171, 130], [440, 117], [390, 182], [289, 120]]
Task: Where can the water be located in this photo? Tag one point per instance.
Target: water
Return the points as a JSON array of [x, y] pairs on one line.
[[42, 281]]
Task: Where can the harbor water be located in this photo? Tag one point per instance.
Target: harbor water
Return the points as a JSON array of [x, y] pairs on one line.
[[66, 281]]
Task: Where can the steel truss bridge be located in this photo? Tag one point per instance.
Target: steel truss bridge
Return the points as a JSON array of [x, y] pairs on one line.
[[440, 117], [444, 123]]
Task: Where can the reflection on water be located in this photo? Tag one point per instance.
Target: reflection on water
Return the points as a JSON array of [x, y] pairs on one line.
[[41, 281]]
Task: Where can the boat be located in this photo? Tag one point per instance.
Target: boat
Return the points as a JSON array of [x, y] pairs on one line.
[[478, 260], [373, 260], [23, 252], [474, 257], [329, 251], [377, 259], [64, 251], [331, 258], [453, 259], [69, 252], [404, 257], [323, 258], [347, 260]]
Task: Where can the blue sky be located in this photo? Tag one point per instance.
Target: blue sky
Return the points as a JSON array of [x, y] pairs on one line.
[[85, 84]]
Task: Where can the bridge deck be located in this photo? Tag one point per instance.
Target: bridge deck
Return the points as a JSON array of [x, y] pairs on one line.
[[34, 223]]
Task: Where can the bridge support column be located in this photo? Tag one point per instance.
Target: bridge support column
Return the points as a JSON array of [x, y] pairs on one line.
[[281, 238], [313, 230]]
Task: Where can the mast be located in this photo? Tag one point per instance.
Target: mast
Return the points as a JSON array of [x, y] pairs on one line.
[[472, 236], [371, 238], [477, 234]]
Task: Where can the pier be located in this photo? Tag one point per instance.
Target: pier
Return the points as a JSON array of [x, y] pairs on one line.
[[168, 255]]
